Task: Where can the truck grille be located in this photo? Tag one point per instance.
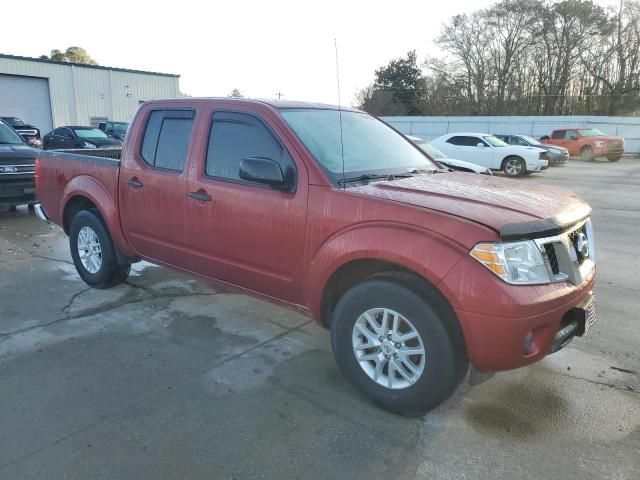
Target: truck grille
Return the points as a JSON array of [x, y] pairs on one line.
[[8, 169], [571, 255], [551, 256]]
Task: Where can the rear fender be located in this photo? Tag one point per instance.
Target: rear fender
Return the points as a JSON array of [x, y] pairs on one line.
[[89, 188], [421, 251]]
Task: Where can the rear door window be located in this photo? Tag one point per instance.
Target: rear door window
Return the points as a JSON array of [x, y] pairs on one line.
[[558, 134], [166, 138]]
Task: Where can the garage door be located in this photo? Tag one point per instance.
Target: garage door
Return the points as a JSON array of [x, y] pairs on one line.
[[26, 98]]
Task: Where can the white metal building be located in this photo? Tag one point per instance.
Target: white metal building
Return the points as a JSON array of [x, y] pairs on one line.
[[49, 94]]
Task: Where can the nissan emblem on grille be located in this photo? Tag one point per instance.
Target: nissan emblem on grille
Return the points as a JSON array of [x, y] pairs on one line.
[[581, 243]]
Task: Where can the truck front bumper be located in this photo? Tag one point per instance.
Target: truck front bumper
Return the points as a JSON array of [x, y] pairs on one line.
[[17, 193], [510, 326]]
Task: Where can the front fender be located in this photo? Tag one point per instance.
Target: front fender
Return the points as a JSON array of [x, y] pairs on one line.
[[419, 250], [88, 187]]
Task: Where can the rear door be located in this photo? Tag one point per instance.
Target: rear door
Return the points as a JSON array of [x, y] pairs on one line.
[[240, 232], [152, 186]]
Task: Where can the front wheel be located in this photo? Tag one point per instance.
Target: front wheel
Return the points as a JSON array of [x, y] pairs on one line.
[[514, 167], [94, 253], [397, 344], [586, 154]]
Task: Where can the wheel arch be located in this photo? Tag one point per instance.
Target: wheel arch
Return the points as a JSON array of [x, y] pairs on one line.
[[361, 252], [85, 192]]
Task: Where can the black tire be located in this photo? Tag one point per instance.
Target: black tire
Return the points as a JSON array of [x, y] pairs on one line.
[[110, 272], [445, 354], [586, 154], [614, 158], [514, 167]]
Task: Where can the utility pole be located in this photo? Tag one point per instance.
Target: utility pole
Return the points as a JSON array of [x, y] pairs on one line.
[[279, 95]]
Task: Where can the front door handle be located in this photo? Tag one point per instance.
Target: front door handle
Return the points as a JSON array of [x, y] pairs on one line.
[[134, 182], [200, 195]]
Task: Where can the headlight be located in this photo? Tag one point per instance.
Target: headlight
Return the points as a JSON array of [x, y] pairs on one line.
[[599, 144], [515, 262], [88, 145]]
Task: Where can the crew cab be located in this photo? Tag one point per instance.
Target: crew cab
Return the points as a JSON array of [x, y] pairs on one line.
[[491, 152], [17, 159], [418, 272], [588, 143]]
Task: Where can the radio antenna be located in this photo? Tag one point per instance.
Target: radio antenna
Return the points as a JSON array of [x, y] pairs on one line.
[[335, 43]]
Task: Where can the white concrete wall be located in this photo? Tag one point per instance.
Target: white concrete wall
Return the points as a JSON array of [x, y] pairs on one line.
[[79, 93], [429, 128]]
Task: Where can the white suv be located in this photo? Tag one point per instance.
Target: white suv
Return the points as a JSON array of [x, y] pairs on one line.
[[491, 152]]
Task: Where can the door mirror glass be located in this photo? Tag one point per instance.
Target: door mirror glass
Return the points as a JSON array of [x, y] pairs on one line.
[[480, 145], [263, 170]]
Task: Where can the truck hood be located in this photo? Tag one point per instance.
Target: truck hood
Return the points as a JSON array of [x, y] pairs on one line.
[[510, 207], [18, 152]]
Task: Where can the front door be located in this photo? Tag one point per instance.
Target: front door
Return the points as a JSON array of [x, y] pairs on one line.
[[241, 232], [152, 187]]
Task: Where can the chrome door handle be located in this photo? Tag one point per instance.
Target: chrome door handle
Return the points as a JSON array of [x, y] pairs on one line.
[[203, 197]]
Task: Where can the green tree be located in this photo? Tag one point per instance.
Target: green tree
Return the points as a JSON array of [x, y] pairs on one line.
[[71, 55], [398, 88], [235, 93]]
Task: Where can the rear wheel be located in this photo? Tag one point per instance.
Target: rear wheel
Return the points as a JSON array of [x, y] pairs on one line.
[[614, 158], [514, 167], [586, 154], [397, 344], [94, 253]]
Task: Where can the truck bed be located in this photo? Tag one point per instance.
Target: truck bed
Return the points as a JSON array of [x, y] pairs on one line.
[[63, 175]]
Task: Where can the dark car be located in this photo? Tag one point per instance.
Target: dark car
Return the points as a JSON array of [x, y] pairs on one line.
[[79, 137], [30, 133], [114, 129], [557, 155], [17, 159]]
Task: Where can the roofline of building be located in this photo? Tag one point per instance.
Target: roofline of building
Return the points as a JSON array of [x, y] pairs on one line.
[[84, 65]]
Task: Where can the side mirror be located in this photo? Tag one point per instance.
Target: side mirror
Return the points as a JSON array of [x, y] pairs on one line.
[[265, 171], [480, 145]]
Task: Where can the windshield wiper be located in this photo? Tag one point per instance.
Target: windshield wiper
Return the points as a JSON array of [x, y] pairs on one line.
[[373, 176], [425, 170]]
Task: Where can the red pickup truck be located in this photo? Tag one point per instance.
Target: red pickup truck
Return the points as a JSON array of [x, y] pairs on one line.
[[588, 143], [420, 273]]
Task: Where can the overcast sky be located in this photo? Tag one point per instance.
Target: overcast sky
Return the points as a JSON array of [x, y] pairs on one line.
[[259, 47]]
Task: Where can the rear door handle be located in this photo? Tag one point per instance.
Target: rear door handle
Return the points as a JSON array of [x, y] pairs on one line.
[[202, 196], [134, 182]]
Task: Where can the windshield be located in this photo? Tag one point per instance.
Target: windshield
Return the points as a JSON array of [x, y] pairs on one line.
[[8, 136], [368, 145], [531, 140], [494, 141], [120, 127], [89, 133], [590, 132], [432, 151]]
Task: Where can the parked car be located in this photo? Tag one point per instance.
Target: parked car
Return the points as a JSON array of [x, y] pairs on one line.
[[418, 272], [79, 137], [491, 152], [441, 159], [17, 182], [114, 129], [588, 143], [30, 133], [557, 155]]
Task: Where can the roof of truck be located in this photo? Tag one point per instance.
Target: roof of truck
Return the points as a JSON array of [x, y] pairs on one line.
[[279, 104]]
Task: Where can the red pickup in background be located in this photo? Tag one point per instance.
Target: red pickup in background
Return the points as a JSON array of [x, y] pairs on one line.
[[588, 143]]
